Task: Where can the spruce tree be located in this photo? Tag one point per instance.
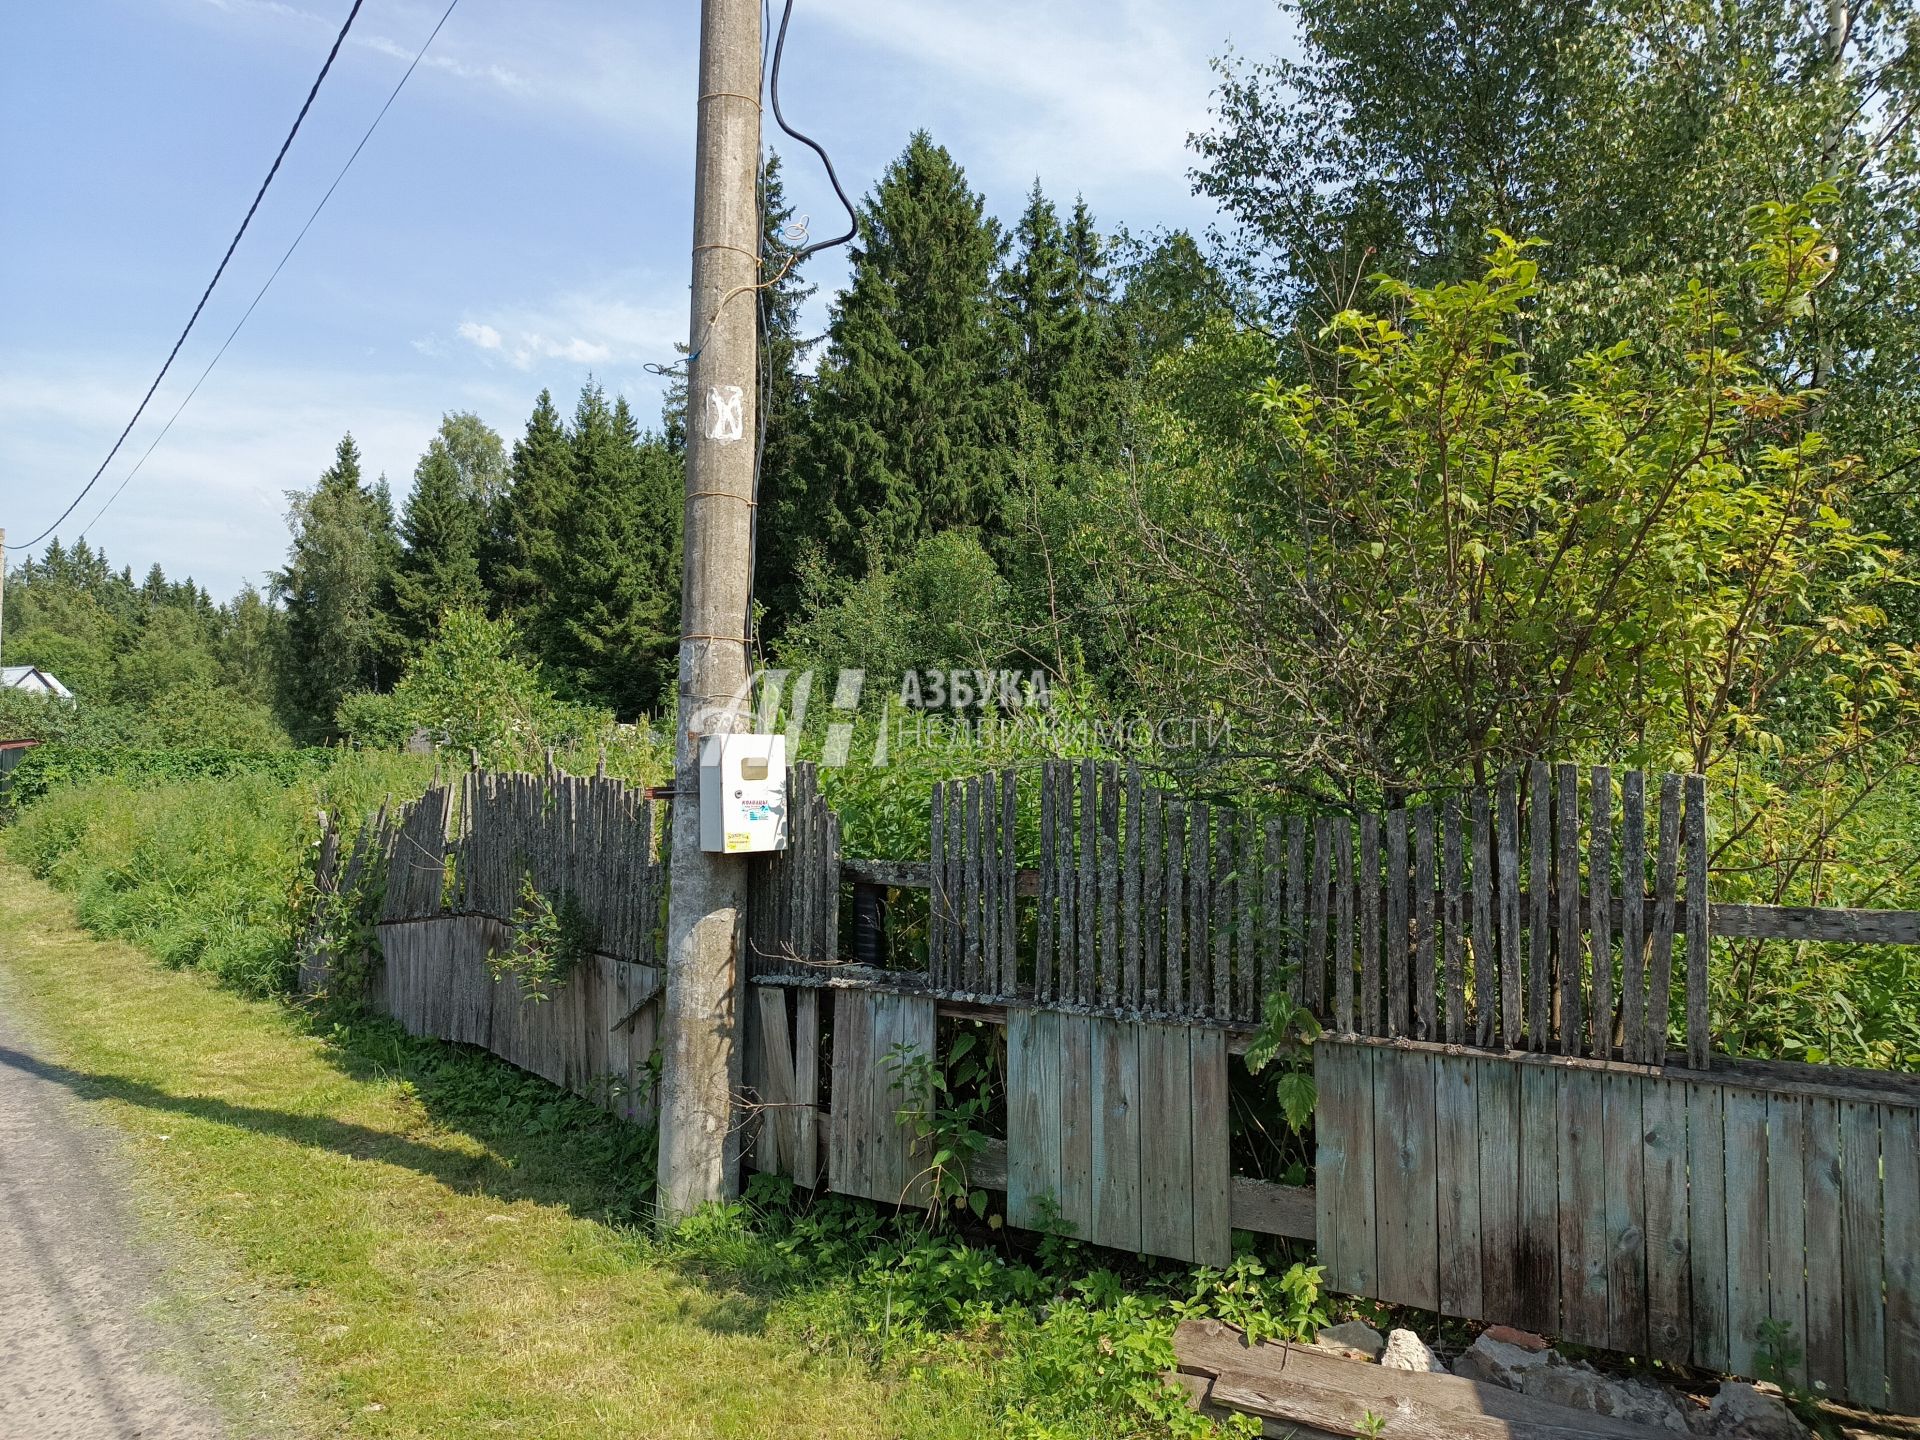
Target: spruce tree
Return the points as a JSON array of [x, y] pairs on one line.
[[909, 405], [1038, 295], [522, 553], [1065, 356], [439, 568], [615, 585], [335, 586]]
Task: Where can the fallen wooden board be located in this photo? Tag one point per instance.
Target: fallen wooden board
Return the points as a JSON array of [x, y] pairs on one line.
[[1301, 1386]]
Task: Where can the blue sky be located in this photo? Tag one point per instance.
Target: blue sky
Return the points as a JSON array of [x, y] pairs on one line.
[[520, 220]]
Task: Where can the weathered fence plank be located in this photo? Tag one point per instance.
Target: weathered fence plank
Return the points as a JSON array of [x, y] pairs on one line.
[[1663, 1164], [1457, 1156], [1116, 1135], [1404, 1180], [1862, 1252]]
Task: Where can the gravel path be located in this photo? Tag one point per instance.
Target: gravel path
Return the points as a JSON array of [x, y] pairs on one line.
[[79, 1351]]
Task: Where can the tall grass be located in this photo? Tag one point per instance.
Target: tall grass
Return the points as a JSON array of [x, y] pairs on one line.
[[202, 873]]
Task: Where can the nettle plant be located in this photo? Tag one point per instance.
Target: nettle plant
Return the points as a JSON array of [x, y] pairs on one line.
[[944, 1109], [1284, 1043], [550, 938]]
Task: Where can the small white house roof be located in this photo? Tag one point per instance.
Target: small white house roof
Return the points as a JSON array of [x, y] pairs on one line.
[[32, 678]]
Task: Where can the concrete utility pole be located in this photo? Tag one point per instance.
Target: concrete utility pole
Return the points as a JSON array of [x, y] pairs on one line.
[[701, 1064]]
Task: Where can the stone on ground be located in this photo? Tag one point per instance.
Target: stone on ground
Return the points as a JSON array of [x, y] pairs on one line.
[[1355, 1338], [1407, 1351], [1549, 1375], [1747, 1412]]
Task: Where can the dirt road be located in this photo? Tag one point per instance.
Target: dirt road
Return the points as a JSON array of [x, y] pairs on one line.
[[81, 1352]]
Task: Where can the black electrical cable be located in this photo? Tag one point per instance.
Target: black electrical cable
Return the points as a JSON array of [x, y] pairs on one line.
[[233, 245], [262, 293], [763, 364], [773, 92]]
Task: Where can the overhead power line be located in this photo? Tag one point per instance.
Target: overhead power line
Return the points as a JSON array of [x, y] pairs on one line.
[[380, 115], [232, 245]]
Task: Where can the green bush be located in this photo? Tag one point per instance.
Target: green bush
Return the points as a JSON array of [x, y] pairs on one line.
[[49, 766], [204, 871]]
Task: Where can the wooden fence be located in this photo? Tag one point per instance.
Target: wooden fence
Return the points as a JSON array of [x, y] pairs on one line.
[[445, 880], [1653, 1211], [1541, 914], [1506, 1129]]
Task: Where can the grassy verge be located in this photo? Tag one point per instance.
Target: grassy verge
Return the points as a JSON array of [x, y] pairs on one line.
[[442, 1246], [202, 872], [429, 1278]]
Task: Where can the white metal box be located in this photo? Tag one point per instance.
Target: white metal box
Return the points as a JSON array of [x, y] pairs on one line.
[[743, 793]]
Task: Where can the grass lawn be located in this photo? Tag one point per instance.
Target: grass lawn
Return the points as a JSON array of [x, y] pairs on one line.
[[429, 1244]]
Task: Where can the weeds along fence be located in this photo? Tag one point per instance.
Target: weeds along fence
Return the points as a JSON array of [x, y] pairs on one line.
[[1521, 1115]]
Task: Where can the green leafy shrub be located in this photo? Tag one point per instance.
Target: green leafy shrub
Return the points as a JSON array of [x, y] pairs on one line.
[[47, 767], [211, 872], [551, 937]]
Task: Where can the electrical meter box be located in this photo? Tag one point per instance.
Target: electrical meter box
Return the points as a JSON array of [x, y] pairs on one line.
[[743, 793]]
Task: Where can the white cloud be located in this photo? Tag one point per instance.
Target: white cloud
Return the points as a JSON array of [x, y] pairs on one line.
[[621, 319], [491, 73], [1083, 93], [485, 336]]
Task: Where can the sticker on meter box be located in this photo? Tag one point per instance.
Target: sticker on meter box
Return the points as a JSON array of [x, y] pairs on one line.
[[739, 840]]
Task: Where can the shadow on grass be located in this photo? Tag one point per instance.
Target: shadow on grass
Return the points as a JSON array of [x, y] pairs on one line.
[[541, 1144]]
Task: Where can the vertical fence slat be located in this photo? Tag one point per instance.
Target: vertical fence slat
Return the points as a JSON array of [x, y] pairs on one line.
[[1508, 831], [1130, 900], [1199, 907], [1747, 1299], [1540, 889], [1452, 883], [1367, 889], [1666, 871], [1498, 1087], [1044, 910], [1426, 1014], [1627, 1232], [1456, 1133], [1862, 1252], [1173, 995], [1567, 894], [1486, 965], [1111, 979], [1600, 907], [990, 883], [1066, 973], [1900, 1162], [1707, 1224], [1009, 882], [1225, 907], [1826, 1332], [1087, 900], [1343, 925], [1699, 1030], [1394, 947], [970, 889], [1153, 879], [1633, 914], [1787, 1218], [1316, 951], [1663, 1169]]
